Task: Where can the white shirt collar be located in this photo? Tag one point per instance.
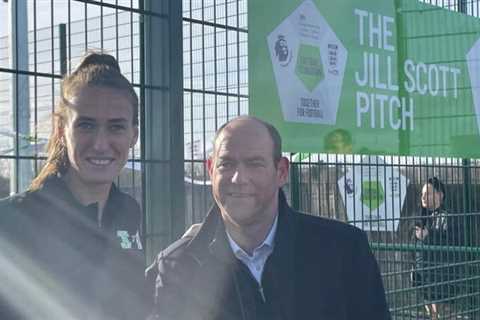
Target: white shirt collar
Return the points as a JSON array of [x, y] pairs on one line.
[[267, 242], [256, 261]]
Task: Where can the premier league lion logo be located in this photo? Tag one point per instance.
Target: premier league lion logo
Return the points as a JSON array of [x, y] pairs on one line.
[[281, 50]]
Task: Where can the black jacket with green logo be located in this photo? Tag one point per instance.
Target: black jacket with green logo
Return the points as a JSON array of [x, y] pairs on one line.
[[57, 263]]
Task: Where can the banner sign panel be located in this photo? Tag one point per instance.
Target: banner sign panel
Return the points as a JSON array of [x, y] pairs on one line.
[[373, 198], [371, 77]]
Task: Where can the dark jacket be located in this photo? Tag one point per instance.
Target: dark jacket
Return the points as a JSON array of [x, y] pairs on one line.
[[319, 269], [437, 269], [56, 263]]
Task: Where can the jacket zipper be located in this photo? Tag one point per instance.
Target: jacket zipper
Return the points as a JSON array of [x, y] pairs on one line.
[[260, 289]]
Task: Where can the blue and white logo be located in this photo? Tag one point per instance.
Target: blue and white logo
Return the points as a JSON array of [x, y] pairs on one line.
[[128, 241]]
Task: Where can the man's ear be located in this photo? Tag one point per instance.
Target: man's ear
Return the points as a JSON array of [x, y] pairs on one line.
[[282, 171], [135, 137], [210, 165]]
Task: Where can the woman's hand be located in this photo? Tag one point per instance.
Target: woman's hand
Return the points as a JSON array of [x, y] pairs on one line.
[[421, 233]]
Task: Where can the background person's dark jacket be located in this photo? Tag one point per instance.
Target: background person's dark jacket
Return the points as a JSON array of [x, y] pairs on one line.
[[319, 269], [438, 270], [56, 263]]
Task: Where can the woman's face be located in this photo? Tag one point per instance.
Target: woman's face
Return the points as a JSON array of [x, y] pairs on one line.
[[98, 134], [431, 199]]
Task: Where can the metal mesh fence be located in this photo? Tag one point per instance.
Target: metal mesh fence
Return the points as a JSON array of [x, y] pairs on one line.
[[215, 86], [328, 185], [30, 76], [215, 80]]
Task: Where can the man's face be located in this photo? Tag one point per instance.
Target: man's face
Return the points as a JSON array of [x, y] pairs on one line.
[[245, 179], [98, 133], [338, 143], [431, 199]]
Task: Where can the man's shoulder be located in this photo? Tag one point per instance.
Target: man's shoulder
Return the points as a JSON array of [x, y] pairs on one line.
[[173, 259], [174, 250], [177, 248]]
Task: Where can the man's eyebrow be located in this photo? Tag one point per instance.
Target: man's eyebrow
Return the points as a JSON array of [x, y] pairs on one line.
[[114, 120], [84, 118], [118, 120], [256, 158]]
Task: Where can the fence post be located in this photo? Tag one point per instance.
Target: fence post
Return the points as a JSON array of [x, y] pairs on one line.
[[162, 116], [295, 182], [62, 38]]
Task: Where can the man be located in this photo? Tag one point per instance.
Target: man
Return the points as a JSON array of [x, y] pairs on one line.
[[254, 257], [339, 141]]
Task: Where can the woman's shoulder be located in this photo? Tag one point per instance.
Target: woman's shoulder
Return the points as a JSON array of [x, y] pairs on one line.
[[17, 202], [18, 212], [124, 209], [124, 201]]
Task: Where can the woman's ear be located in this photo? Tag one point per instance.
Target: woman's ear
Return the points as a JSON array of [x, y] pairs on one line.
[[59, 127]]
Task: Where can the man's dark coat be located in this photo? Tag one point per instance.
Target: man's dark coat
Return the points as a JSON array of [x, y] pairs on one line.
[[319, 269]]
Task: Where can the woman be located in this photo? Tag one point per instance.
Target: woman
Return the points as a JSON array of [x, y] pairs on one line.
[[435, 228], [70, 245]]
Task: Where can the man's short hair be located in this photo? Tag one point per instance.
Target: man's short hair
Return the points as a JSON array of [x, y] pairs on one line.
[[272, 131]]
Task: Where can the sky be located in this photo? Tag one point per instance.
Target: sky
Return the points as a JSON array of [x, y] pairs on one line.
[[43, 13], [43, 8], [44, 21]]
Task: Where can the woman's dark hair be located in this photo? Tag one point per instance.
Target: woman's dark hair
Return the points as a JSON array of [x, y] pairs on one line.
[[437, 186], [96, 69]]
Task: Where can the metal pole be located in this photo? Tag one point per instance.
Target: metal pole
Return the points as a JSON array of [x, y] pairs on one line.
[[468, 221], [466, 165], [163, 125], [295, 171], [462, 6], [62, 37], [22, 172]]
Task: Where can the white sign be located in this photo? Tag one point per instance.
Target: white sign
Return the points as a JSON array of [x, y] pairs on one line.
[[373, 194], [309, 63], [473, 63]]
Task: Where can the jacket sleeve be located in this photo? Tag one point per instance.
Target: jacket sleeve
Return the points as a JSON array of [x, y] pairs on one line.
[[151, 274], [366, 299], [162, 309], [169, 285]]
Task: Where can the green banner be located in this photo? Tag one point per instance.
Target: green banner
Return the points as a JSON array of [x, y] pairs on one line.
[[370, 77]]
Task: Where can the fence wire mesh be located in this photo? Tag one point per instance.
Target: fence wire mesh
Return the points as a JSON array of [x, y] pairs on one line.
[[215, 80]]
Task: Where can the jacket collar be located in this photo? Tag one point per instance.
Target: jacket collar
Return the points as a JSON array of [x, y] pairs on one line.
[[212, 235], [286, 235], [211, 241], [55, 190]]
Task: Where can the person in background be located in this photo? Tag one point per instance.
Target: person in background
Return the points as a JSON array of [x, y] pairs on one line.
[[436, 227], [254, 257], [70, 246], [338, 141]]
